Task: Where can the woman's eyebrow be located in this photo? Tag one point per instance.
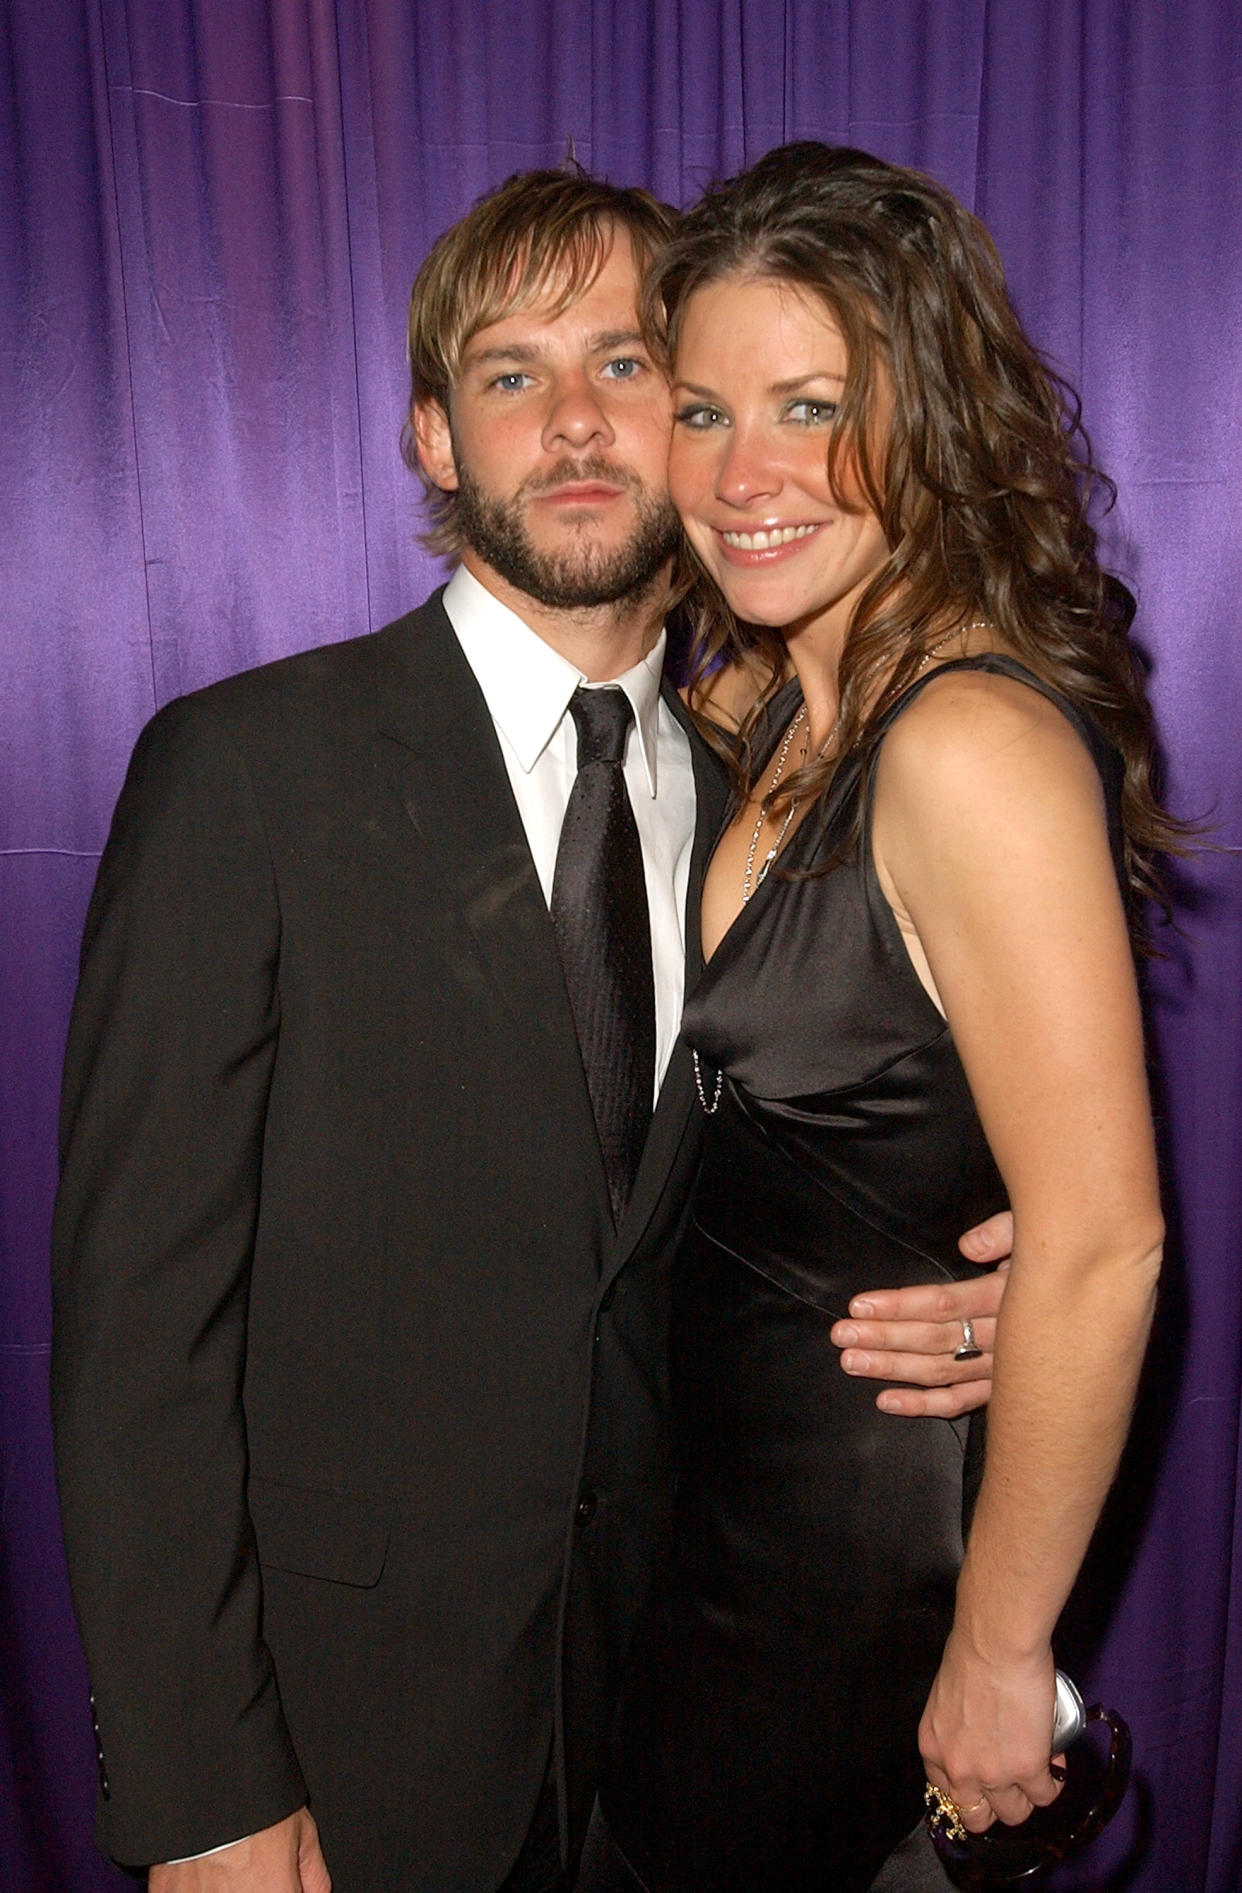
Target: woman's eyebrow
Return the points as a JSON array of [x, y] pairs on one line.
[[775, 387], [800, 381]]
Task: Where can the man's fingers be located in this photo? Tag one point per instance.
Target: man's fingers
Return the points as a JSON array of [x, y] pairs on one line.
[[908, 1350], [912, 1336], [989, 1241], [283, 1858], [943, 1403], [977, 1299], [311, 1864]]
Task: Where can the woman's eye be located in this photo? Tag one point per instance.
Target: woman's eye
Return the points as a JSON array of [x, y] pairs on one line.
[[699, 416], [811, 413]]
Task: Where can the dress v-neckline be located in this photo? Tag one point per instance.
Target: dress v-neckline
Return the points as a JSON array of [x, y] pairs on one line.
[[777, 711]]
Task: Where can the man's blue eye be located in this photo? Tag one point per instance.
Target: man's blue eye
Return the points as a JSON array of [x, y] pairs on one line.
[[624, 368], [511, 381]]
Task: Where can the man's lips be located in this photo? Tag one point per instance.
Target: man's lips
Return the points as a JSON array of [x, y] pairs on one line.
[[581, 493]]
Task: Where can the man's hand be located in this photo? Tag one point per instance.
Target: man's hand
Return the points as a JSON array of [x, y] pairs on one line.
[[912, 1334], [280, 1859]]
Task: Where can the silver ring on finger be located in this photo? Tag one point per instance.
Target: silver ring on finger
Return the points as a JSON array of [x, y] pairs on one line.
[[970, 1349]]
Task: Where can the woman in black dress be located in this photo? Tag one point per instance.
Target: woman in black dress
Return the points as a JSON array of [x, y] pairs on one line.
[[920, 1005]]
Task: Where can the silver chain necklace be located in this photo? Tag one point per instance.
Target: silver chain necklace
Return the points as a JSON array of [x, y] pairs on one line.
[[751, 880], [958, 631]]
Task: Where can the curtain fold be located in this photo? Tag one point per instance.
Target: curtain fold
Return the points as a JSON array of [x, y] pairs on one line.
[[212, 210]]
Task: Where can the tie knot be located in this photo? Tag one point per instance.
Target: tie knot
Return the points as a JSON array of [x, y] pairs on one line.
[[602, 718]]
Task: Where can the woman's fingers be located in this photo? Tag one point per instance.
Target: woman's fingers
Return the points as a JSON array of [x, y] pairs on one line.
[[977, 1804], [984, 1734]]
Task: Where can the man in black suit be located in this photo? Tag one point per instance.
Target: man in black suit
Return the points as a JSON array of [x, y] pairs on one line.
[[358, 1375]]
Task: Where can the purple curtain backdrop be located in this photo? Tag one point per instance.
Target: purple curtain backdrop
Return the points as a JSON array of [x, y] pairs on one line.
[[211, 212]]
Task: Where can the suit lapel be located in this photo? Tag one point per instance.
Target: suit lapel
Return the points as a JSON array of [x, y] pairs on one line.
[[440, 750], [442, 756]]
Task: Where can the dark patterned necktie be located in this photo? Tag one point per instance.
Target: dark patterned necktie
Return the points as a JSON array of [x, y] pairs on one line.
[[599, 912]]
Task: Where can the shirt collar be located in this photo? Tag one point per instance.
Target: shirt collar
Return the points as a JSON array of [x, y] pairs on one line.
[[527, 685]]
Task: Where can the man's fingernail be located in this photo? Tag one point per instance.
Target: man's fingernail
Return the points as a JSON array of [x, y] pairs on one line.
[[855, 1363], [847, 1335], [861, 1306]]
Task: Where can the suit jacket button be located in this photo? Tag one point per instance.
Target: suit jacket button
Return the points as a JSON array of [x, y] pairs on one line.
[[588, 1505]]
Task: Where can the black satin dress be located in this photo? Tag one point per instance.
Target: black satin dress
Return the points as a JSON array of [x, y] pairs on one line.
[[767, 1740]]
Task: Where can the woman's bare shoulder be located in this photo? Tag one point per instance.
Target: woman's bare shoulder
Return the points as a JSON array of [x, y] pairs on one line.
[[968, 725]]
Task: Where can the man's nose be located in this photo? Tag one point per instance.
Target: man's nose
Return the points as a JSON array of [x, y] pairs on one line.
[[576, 416]]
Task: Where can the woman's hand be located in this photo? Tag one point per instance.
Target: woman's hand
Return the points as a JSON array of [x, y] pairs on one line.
[[986, 1733]]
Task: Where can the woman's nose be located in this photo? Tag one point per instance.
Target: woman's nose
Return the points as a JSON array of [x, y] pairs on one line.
[[747, 471]]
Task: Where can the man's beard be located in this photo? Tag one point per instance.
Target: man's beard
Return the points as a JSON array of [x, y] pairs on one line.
[[585, 574]]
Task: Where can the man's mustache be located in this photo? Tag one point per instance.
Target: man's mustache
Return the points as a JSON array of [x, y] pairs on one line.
[[579, 472]]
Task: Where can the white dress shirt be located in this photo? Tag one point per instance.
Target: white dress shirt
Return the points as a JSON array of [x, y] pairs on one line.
[[527, 687]]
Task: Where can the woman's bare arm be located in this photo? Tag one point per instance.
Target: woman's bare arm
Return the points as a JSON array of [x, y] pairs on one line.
[[991, 844]]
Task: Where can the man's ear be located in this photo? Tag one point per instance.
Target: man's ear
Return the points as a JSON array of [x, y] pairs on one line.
[[435, 444]]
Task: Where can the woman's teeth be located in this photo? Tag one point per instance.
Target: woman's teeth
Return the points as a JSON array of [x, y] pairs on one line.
[[764, 541]]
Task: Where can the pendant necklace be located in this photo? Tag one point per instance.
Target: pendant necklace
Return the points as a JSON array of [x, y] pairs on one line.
[[751, 880]]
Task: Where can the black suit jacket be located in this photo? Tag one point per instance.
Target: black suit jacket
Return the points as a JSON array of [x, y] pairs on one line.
[[359, 1398]]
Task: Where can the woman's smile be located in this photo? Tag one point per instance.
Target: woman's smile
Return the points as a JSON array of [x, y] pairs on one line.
[[762, 541]]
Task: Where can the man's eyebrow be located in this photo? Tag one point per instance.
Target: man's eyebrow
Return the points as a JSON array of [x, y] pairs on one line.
[[508, 352], [602, 344], [616, 338]]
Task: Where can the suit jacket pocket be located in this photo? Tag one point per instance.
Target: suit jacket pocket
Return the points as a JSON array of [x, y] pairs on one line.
[[332, 1535]]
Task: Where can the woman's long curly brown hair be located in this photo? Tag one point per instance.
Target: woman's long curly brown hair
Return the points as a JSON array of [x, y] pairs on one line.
[[985, 475]]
